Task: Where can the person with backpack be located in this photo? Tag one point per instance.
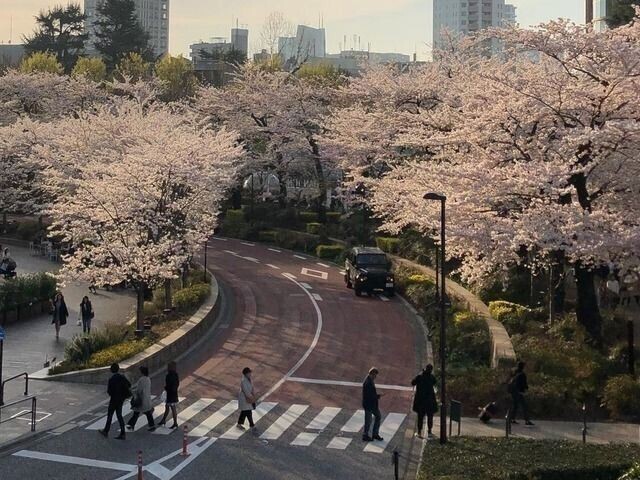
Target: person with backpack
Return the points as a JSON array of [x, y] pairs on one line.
[[518, 387], [424, 400], [119, 389]]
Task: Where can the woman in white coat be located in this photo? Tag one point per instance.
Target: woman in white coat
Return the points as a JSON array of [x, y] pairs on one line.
[[246, 399], [141, 401]]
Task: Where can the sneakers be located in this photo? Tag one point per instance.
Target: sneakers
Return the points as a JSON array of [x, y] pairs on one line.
[[378, 438], [367, 438]]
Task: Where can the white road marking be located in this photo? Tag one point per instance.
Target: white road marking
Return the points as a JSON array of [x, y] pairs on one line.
[[248, 244], [214, 420], [355, 423], [317, 297], [287, 419], [300, 257], [218, 239], [273, 266], [324, 418], [314, 342], [306, 285], [388, 429], [251, 259], [274, 250], [85, 462], [188, 413], [323, 265], [234, 433], [339, 443], [342, 383], [231, 252], [314, 273], [304, 439], [383, 298]]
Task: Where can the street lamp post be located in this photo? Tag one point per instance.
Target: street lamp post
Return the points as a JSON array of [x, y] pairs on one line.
[[206, 246], [443, 316], [360, 190]]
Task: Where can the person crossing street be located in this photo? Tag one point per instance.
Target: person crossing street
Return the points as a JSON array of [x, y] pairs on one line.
[[119, 389], [370, 404]]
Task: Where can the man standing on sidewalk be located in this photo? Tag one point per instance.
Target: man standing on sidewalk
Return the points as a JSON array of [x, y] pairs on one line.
[[370, 398], [518, 386], [119, 389]]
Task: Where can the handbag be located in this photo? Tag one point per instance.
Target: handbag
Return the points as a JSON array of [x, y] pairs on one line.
[[136, 401]]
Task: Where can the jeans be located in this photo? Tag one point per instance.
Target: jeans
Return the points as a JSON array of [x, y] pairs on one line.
[[86, 325], [117, 409], [516, 400], [367, 422], [421, 422], [132, 421], [246, 414]]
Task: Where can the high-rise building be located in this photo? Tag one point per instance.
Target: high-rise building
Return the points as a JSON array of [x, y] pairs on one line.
[[153, 16], [599, 12], [309, 42], [460, 17]]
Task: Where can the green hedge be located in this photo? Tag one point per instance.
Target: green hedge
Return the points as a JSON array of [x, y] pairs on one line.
[[26, 289], [308, 217], [329, 252], [314, 228], [622, 396], [234, 224], [267, 236], [388, 244], [117, 353], [334, 217], [515, 318], [297, 241], [191, 297], [519, 459]]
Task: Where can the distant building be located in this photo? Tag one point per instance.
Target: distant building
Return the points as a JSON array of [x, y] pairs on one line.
[[11, 55], [309, 42], [599, 14], [213, 62], [262, 57], [153, 16], [372, 58], [461, 17]]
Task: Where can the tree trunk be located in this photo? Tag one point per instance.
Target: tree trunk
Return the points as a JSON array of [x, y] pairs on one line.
[[282, 195], [140, 289], [236, 198], [167, 295], [185, 275], [587, 310], [4, 222], [322, 188]]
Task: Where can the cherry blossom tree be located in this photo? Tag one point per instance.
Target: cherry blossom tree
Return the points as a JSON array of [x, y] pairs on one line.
[[536, 149], [136, 187]]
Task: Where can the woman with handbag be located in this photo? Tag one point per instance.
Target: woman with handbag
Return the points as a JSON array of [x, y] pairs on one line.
[[86, 313], [246, 399], [59, 312], [171, 383], [141, 401]]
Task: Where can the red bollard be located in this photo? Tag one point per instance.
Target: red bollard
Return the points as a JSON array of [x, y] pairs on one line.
[[185, 443], [140, 475]]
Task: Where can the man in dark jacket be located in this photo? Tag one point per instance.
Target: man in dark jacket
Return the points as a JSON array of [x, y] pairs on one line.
[[119, 389], [370, 398], [518, 386], [424, 400]]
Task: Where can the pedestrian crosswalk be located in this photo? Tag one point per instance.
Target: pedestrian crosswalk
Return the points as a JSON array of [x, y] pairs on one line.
[[297, 425]]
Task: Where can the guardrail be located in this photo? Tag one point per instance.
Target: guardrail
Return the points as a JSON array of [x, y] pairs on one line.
[[32, 398], [26, 385]]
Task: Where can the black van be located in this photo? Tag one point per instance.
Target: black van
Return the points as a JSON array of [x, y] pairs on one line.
[[368, 269]]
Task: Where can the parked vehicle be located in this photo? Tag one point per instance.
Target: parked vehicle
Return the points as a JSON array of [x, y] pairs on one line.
[[368, 269]]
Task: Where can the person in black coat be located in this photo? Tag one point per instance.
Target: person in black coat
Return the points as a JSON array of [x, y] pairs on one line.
[[171, 384], [86, 314], [518, 386], [424, 400], [119, 389], [370, 398], [59, 312]]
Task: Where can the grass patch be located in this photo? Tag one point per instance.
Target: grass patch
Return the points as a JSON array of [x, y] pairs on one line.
[[519, 459]]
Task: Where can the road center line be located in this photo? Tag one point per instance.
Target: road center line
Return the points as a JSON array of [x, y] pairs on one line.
[[341, 383], [274, 250], [85, 462], [313, 345]]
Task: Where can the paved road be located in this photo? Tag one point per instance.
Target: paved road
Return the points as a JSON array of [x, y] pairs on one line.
[[309, 341]]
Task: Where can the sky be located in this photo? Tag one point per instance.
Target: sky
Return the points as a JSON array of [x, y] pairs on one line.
[[388, 25]]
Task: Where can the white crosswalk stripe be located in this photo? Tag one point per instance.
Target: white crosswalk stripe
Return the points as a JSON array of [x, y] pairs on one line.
[[324, 418], [339, 443], [188, 413], [355, 423], [388, 429], [234, 433], [278, 427], [214, 420]]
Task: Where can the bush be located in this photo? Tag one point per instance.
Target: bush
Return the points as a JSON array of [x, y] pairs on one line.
[[314, 228], [28, 230], [632, 474], [514, 317], [419, 279], [83, 346], [329, 252], [25, 290], [296, 241], [234, 224], [334, 217], [388, 244], [191, 297], [622, 396], [267, 236], [402, 273], [468, 340], [117, 353], [308, 217], [519, 459]]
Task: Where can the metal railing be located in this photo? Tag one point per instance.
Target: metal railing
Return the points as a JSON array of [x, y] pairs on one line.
[[26, 385], [32, 398]]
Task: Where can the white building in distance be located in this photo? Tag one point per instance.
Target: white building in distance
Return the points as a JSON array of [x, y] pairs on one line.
[[309, 42], [153, 16], [460, 17]]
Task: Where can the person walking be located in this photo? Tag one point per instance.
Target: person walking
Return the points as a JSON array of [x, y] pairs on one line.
[[518, 387], [59, 312], [171, 384], [424, 400], [86, 314], [370, 400], [141, 401], [119, 389], [246, 399]]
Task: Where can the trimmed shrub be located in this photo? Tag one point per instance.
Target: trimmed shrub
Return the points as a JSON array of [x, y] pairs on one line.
[[267, 236], [234, 224], [632, 474], [519, 459], [468, 340], [117, 353], [514, 317], [388, 244], [308, 217], [622, 396], [329, 252], [83, 346], [314, 228], [419, 279], [297, 241], [334, 217], [191, 297]]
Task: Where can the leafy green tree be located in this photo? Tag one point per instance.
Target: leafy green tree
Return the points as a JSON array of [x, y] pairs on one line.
[[60, 31], [177, 77], [620, 12], [118, 32], [91, 68], [134, 67], [41, 62]]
